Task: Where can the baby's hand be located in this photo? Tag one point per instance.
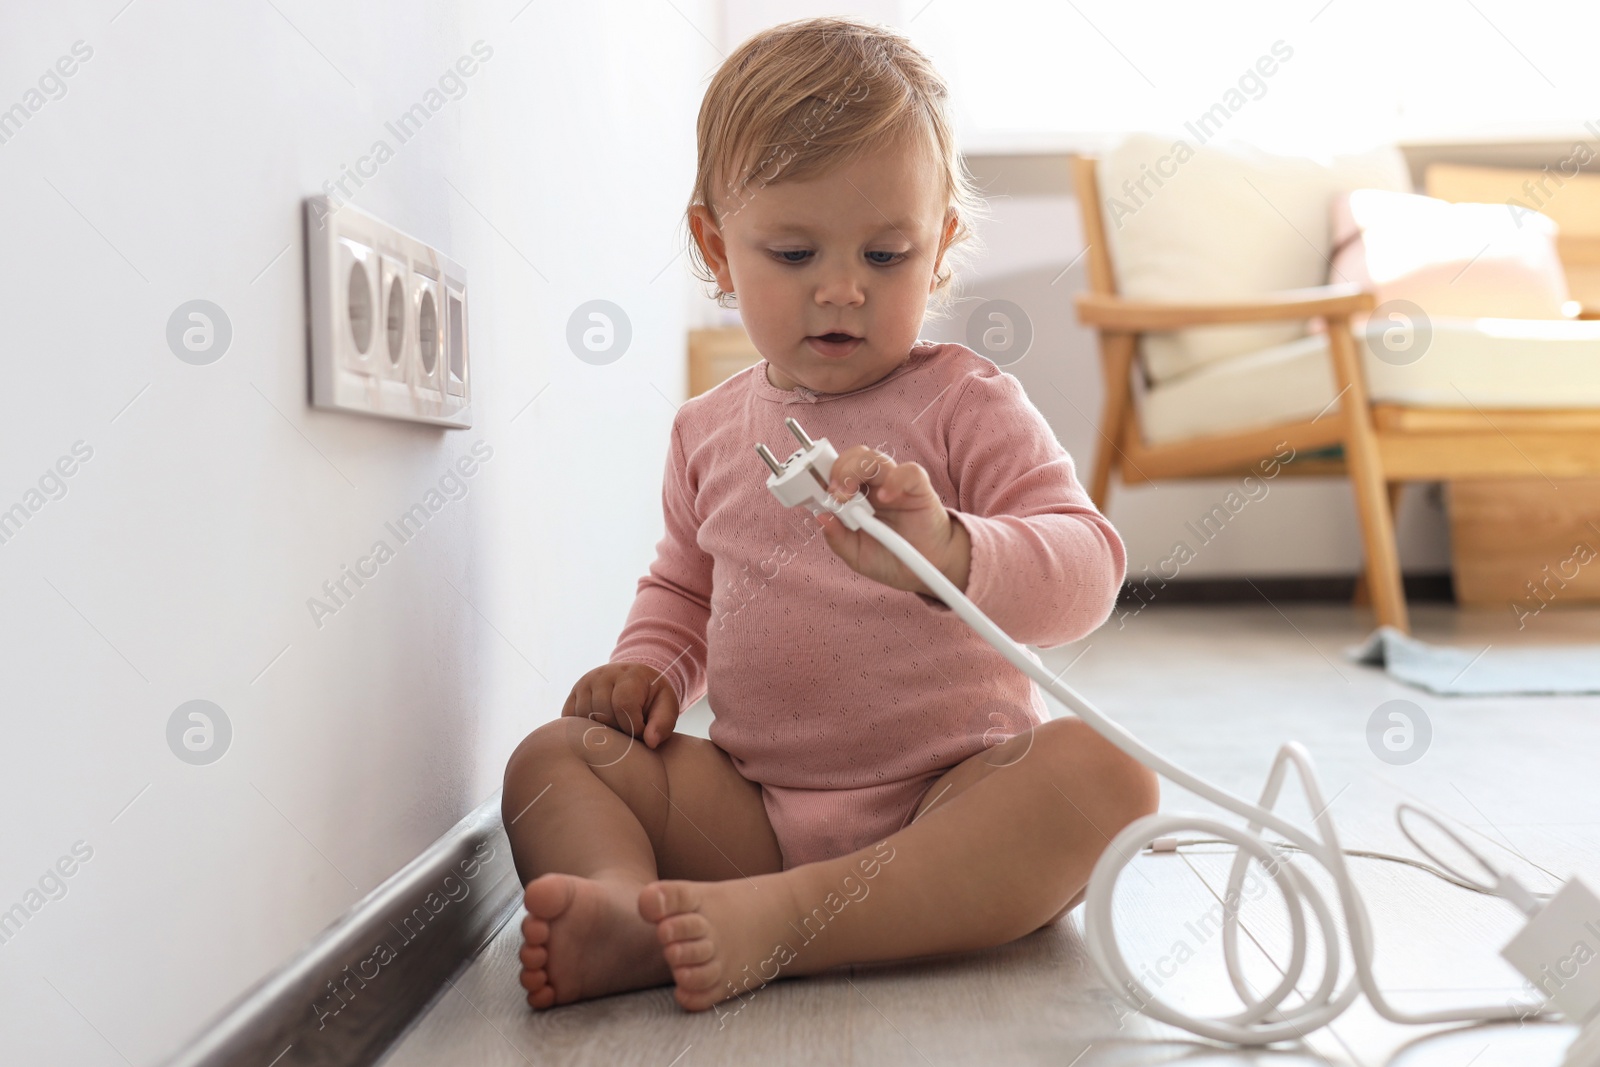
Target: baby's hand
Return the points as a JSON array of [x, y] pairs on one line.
[[631, 697], [904, 500]]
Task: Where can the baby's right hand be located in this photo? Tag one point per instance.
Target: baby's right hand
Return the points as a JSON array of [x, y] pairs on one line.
[[630, 697]]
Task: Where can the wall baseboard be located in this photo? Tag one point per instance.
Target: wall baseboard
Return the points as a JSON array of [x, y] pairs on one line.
[[1329, 589], [356, 988]]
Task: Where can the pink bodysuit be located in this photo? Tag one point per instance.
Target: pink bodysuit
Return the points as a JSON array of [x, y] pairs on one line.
[[845, 699]]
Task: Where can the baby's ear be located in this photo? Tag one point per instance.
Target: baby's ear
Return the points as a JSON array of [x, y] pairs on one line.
[[701, 227], [950, 232], [952, 223], [713, 247]]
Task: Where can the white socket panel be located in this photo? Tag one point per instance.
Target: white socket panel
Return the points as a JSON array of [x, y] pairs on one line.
[[388, 319]]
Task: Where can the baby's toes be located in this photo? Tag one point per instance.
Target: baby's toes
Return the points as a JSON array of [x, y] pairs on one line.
[[533, 978], [535, 931], [690, 927], [533, 957], [688, 953], [698, 985], [548, 897], [659, 900], [541, 994]]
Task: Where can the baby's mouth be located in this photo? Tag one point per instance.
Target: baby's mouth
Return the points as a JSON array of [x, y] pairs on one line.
[[834, 345]]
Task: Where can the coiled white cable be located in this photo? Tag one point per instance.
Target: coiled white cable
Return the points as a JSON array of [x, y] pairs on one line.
[[1173, 845], [1263, 1019]]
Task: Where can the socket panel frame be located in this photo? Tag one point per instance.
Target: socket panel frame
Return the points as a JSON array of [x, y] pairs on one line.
[[353, 263]]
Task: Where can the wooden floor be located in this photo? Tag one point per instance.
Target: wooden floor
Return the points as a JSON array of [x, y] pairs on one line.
[[1217, 689]]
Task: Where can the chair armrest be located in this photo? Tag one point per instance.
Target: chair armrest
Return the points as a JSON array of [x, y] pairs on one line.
[[1117, 315]]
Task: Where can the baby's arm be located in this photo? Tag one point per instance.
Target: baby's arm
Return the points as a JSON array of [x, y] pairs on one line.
[[666, 627], [1043, 563]]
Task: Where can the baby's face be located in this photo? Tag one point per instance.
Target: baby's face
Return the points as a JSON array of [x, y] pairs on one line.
[[855, 252]]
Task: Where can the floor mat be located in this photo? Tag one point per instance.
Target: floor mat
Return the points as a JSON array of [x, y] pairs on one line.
[[1561, 669]]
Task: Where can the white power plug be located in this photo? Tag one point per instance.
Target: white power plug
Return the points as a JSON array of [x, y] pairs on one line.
[[802, 480], [1559, 952]]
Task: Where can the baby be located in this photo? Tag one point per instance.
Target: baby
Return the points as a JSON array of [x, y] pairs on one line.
[[879, 782]]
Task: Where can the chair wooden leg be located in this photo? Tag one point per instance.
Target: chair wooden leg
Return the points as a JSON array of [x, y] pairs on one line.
[[1116, 356], [1363, 595], [1365, 466]]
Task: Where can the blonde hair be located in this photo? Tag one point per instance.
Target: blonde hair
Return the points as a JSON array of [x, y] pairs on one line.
[[800, 99]]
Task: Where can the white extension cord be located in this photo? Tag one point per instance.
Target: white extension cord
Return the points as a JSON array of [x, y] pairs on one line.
[[1543, 951]]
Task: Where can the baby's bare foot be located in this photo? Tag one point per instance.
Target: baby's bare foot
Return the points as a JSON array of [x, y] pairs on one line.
[[584, 938], [724, 939]]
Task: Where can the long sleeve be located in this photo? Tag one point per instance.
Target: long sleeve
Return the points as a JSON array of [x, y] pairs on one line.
[[1046, 565], [666, 627]]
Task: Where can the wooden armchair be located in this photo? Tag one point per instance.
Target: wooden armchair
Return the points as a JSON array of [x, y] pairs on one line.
[[1383, 445]]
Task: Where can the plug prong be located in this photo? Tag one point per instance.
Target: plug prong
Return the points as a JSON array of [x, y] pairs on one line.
[[799, 434], [772, 461]]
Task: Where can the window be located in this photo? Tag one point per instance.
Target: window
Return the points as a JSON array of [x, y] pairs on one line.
[[1069, 73]]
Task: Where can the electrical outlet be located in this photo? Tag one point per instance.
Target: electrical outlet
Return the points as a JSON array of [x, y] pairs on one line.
[[388, 320], [358, 271], [455, 340], [397, 325]]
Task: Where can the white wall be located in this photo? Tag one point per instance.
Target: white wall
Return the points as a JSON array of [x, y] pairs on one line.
[[741, 18], [179, 562]]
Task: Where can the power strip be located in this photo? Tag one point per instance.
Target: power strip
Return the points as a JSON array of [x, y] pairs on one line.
[[1554, 950]]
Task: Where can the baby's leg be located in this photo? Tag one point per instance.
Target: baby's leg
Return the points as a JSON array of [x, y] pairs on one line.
[[593, 816], [1005, 849]]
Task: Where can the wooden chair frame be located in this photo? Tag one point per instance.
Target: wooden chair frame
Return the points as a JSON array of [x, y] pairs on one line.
[[1384, 445]]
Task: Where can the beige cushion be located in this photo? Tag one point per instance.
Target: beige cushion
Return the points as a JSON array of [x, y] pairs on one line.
[[1451, 260], [1490, 363], [1224, 223]]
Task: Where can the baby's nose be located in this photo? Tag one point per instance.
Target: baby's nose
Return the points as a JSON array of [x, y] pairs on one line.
[[842, 289]]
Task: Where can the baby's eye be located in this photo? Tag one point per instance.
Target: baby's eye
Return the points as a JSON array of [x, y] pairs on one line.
[[894, 257], [782, 255]]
